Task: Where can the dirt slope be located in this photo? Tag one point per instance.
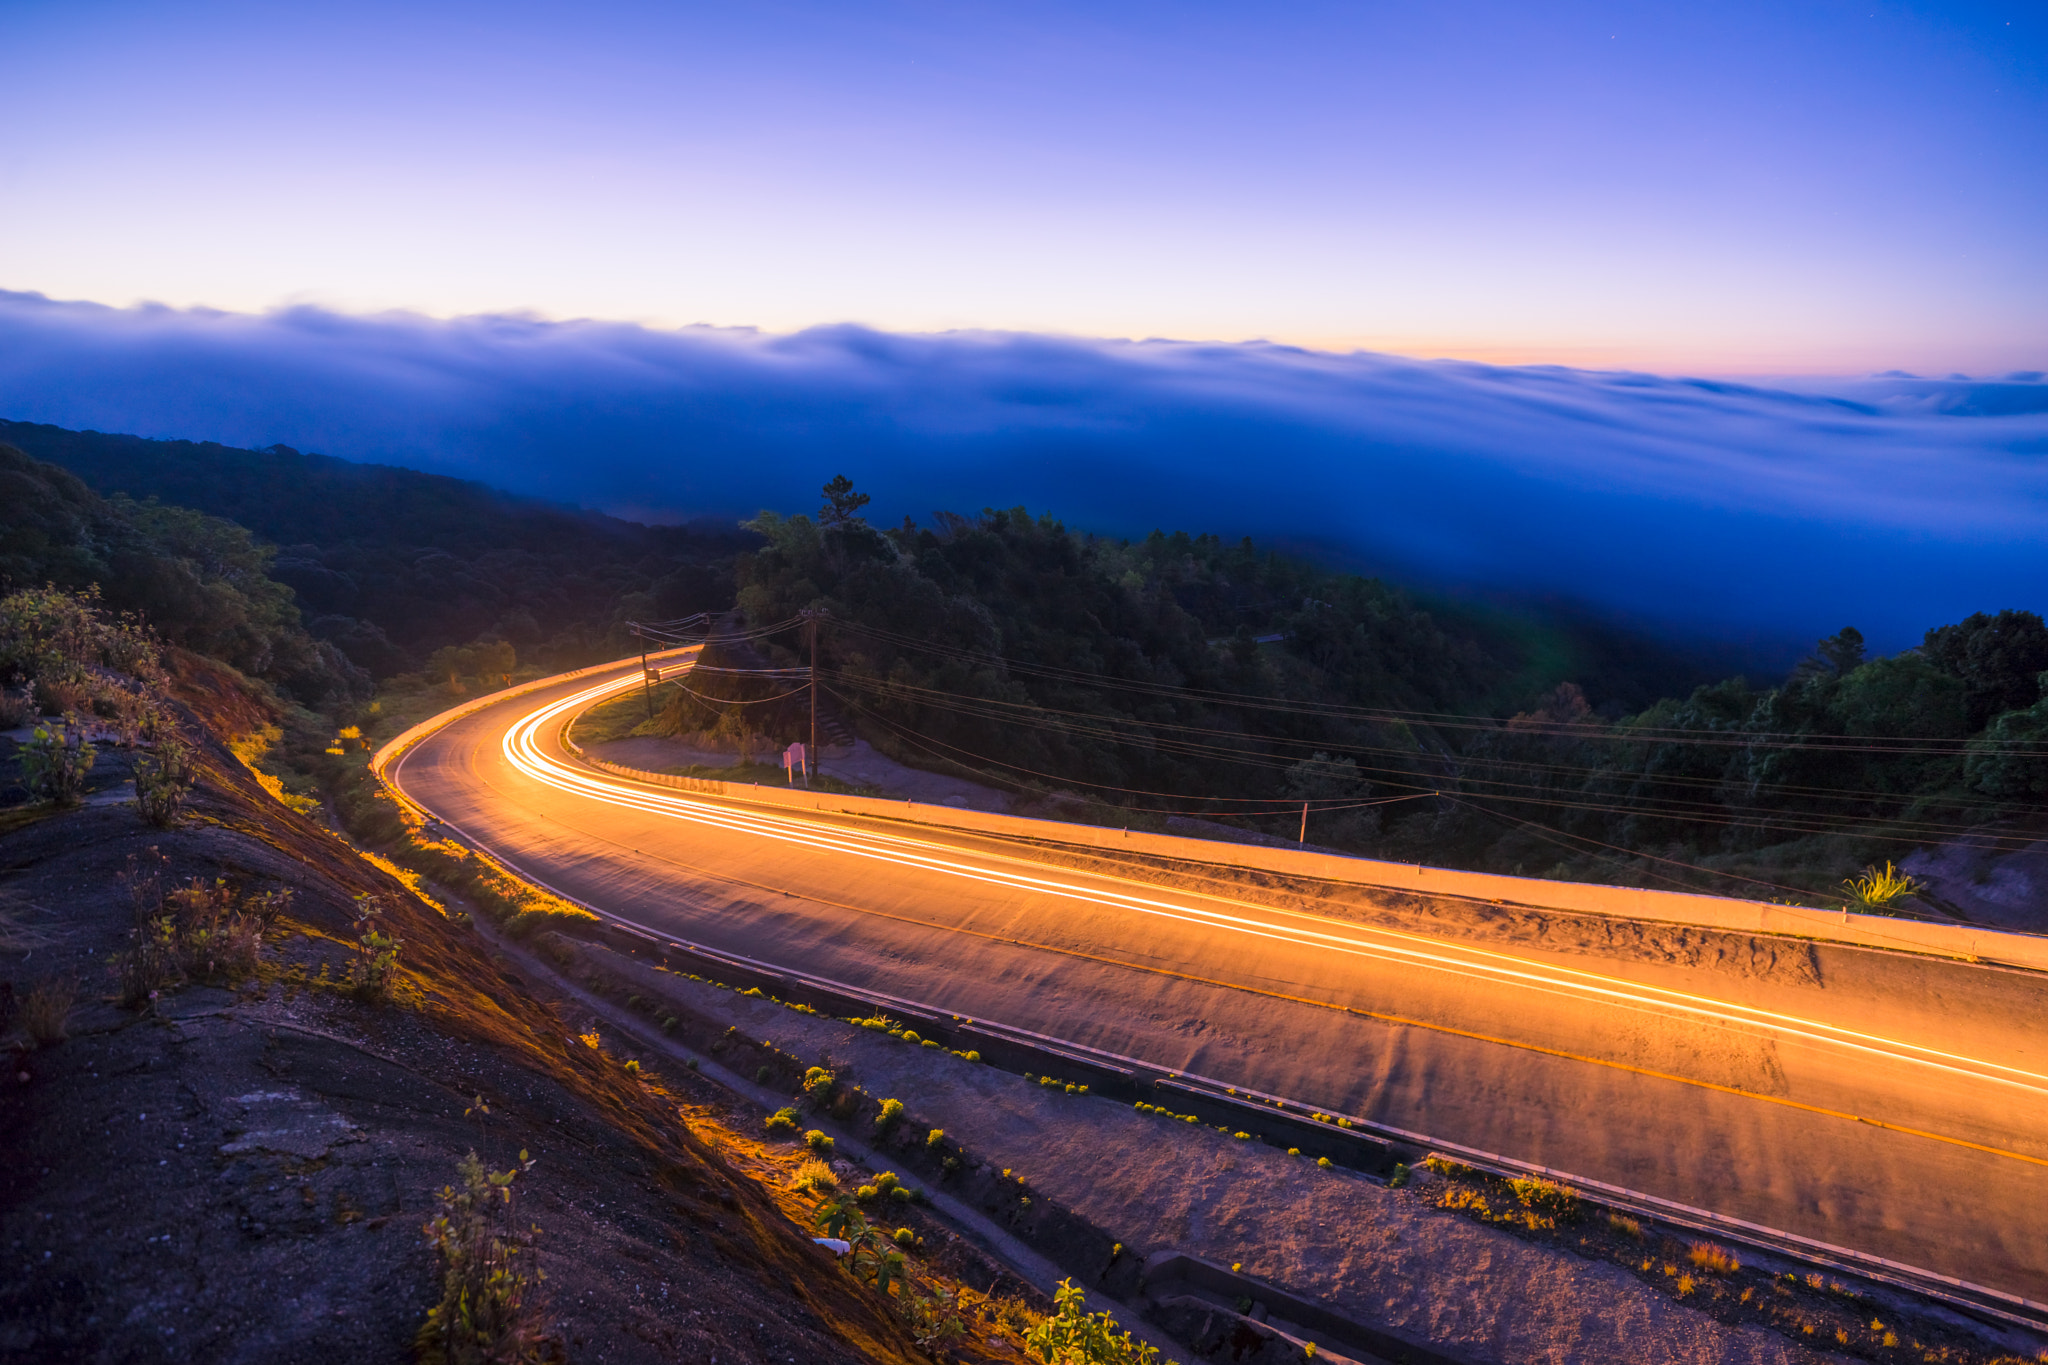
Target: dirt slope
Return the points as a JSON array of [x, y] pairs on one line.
[[242, 1174]]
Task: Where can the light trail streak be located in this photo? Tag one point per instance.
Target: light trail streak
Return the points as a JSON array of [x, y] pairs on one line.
[[522, 750]]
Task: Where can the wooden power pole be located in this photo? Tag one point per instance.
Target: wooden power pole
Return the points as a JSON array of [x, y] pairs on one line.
[[813, 623]]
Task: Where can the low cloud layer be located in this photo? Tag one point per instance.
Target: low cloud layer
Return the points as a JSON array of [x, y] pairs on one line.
[[1893, 503]]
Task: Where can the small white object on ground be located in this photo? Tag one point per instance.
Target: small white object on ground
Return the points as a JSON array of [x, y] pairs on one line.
[[835, 1245]]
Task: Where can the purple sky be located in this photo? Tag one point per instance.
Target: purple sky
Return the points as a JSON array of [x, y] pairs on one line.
[[1731, 188]]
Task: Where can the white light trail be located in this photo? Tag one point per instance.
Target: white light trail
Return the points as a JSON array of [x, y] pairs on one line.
[[523, 751]]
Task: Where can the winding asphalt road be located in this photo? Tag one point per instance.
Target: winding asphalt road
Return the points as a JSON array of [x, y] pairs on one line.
[[1890, 1103]]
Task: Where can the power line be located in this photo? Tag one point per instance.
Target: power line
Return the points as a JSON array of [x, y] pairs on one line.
[[1466, 721], [1642, 805]]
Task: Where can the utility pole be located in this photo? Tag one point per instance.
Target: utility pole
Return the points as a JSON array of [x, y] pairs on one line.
[[1304, 824], [646, 686], [811, 619]]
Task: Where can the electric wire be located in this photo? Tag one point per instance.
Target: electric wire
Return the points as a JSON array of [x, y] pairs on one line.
[[1663, 807], [1466, 721]]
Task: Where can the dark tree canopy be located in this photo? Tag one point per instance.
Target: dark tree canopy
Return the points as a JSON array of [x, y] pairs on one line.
[[1999, 658]]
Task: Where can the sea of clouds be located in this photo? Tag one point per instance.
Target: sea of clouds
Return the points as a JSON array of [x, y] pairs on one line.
[[1764, 514]]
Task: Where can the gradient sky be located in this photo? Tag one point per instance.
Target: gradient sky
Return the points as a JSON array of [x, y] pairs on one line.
[[1754, 188]]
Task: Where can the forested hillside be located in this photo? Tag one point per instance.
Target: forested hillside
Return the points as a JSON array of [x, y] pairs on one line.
[[1187, 675], [389, 564], [202, 583], [1178, 674]]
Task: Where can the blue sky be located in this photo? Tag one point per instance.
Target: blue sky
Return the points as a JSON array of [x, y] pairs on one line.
[[1735, 188], [926, 244]]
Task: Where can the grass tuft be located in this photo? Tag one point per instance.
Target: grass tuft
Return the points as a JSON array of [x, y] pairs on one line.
[[45, 1010], [1708, 1256]]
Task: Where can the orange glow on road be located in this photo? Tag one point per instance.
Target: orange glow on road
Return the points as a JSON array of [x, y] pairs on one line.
[[523, 751]]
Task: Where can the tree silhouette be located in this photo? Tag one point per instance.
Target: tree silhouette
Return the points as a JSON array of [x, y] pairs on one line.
[[841, 503]]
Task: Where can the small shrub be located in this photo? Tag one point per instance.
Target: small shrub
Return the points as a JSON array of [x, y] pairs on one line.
[[761, 1074], [815, 1177], [17, 708], [162, 778], [905, 1238], [1294, 1151], [902, 1194], [819, 1141], [1325, 1162], [491, 1308], [865, 1193], [692, 1064], [670, 1024], [1708, 1256], [1547, 1197], [1625, 1225], [909, 1036], [633, 1067], [937, 1136], [1444, 1166], [45, 1010], [1072, 1333], [891, 1115], [1878, 891], [887, 1181], [780, 1122], [817, 1086], [375, 968], [934, 1320], [1400, 1177], [55, 761]]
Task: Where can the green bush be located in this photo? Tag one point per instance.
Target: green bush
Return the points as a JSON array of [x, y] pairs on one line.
[[935, 1137], [905, 1238], [819, 1141], [817, 1086], [162, 778], [54, 762], [490, 1308], [780, 1122], [1400, 1177], [891, 1115], [1074, 1336]]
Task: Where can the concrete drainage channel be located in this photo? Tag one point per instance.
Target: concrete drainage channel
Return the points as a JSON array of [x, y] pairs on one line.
[[1184, 1303], [1356, 1143]]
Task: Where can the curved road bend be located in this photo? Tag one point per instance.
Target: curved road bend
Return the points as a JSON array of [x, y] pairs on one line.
[[1745, 1061]]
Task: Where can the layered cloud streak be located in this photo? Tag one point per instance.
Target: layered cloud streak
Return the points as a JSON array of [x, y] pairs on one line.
[[1892, 504]]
